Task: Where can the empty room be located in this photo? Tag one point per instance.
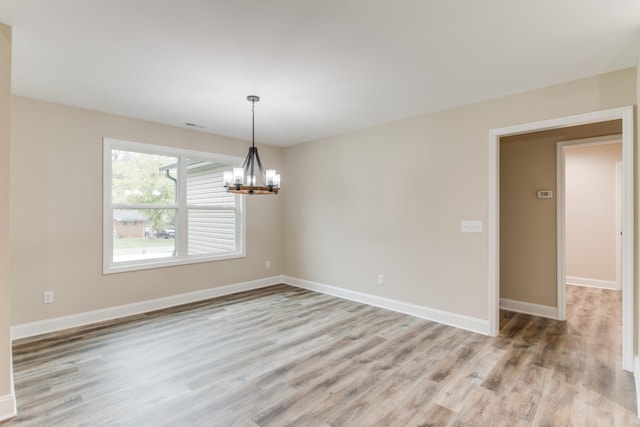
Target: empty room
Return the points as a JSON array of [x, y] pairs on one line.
[[296, 213]]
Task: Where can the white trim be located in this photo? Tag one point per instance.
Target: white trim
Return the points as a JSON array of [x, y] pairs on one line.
[[592, 283], [592, 141], [561, 235], [618, 225], [628, 238], [626, 115], [636, 377], [8, 407], [168, 262], [529, 308], [493, 233], [26, 330], [81, 319], [452, 319]]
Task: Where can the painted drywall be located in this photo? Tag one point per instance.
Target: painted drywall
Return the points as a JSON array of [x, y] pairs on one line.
[[590, 209], [6, 398], [386, 200], [528, 227], [389, 199], [56, 210]]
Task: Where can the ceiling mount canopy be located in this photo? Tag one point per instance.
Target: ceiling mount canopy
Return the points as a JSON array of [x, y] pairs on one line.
[[243, 180]]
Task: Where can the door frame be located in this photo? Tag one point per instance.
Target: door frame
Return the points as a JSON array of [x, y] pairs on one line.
[[619, 226], [561, 212], [493, 227]]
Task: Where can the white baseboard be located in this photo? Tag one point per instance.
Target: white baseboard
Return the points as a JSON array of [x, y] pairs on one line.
[[7, 407], [81, 319], [636, 377], [592, 283], [452, 319], [529, 308], [31, 329]]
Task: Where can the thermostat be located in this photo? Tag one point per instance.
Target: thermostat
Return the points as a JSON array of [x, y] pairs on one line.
[[545, 194]]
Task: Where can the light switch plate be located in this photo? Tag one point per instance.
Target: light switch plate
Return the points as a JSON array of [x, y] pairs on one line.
[[471, 226]]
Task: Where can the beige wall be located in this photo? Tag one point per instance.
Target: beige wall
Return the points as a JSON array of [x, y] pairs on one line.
[[528, 242], [5, 283], [590, 211], [389, 200], [385, 200], [56, 208]]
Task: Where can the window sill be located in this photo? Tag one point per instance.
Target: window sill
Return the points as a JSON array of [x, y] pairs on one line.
[[124, 267]]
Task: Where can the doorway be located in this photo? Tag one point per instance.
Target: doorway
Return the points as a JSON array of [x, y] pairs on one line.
[[624, 114], [589, 210]]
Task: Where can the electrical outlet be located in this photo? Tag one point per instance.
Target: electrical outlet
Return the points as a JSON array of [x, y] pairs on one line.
[[380, 279], [267, 264], [47, 297]]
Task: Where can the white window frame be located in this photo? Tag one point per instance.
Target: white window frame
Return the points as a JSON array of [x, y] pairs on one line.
[[182, 257]]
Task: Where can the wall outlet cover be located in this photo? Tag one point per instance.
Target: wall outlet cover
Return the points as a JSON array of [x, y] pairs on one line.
[[47, 297]]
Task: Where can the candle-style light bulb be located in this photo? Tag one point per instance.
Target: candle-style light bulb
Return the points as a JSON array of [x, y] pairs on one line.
[[238, 175], [227, 178], [270, 176]]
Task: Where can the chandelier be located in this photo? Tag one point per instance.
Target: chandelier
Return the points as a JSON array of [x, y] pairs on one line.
[[243, 180]]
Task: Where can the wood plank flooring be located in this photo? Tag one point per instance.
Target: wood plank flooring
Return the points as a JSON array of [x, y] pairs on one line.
[[283, 356]]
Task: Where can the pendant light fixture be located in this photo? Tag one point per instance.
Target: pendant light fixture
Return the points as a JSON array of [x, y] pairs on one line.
[[243, 180]]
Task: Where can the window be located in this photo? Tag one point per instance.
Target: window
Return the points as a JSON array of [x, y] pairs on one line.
[[166, 206]]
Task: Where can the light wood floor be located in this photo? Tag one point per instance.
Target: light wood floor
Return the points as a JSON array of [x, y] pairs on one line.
[[285, 356]]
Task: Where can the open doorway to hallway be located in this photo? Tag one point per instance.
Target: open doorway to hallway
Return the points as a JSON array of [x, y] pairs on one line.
[[532, 225], [590, 209], [496, 214], [591, 199]]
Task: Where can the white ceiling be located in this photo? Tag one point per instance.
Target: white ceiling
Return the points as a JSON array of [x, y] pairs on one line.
[[321, 67]]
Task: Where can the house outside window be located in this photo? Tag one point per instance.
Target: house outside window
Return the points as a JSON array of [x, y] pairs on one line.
[[165, 206], [130, 224]]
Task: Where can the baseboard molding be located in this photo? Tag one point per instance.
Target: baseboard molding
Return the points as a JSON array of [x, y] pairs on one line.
[[636, 377], [31, 329], [529, 308], [7, 407], [457, 320], [592, 283]]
